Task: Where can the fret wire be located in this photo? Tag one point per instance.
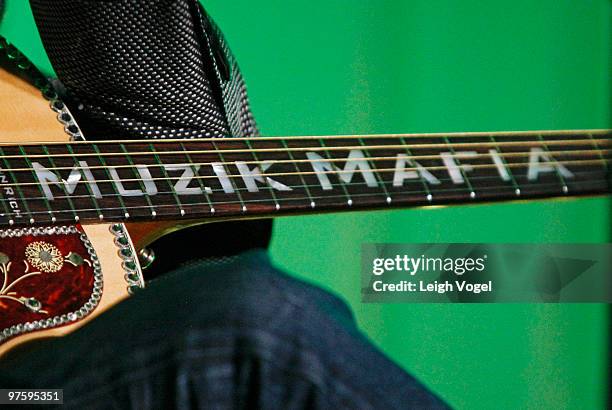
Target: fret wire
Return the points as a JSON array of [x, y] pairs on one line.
[[220, 191], [596, 146], [559, 176], [406, 148], [293, 161], [367, 155], [346, 148], [604, 132], [5, 205], [108, 175], [163, 169], [234, 185], [270, 189], [515, 185], [29, 164], [425, 185], [341, 171], [460, 167], [5, 201], [195, 173], [17, 187], [69, 200], [140, 181], [346, 193], [371, 195], [92, 196]]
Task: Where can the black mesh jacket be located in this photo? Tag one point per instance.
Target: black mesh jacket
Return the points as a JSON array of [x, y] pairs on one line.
[[132, 69]]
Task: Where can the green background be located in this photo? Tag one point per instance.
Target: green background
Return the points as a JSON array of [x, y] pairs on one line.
[[373, 66]]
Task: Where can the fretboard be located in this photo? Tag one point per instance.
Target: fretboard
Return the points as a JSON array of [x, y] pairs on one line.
[[271, 176]]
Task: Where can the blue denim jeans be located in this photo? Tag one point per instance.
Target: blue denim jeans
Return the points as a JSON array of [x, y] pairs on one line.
[[237, 333]]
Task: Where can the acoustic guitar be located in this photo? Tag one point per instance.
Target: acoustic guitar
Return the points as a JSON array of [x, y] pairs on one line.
[[74, 214]]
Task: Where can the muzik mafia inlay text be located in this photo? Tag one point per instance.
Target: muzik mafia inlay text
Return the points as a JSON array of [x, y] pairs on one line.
[[455, 164]]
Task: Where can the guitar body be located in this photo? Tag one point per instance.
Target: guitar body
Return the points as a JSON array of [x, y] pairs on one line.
[[96, 263]]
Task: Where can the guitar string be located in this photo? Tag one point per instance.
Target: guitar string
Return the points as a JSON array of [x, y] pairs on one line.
[[483, 134], [294, 199], [597, 152], [476, 155], [339, 171], [376, 196], [220, 191], [589, 142]]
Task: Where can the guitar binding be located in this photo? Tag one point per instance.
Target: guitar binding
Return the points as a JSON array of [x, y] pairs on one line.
[[130, 264]]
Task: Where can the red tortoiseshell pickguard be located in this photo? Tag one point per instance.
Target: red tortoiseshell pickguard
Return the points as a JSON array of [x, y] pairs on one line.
[[59, 293]]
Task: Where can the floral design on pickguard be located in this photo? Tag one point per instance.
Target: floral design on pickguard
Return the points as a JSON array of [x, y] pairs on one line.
[[44, 257]]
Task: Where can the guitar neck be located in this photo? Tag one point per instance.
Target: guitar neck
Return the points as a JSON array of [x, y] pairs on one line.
[[257, 177]]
